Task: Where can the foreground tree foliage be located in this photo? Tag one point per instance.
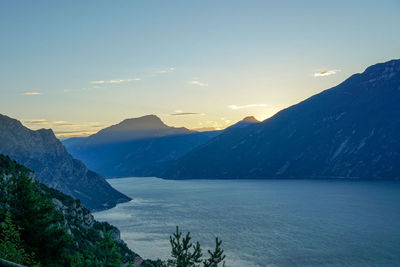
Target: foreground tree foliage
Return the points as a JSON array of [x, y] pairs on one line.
[[186, 254], [38, 220], [110, 255], [11, 247], [33, 231], [31, 228]]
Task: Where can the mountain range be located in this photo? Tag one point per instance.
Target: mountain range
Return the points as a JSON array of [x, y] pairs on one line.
[[44, 154], [135, 147], [348, 131]]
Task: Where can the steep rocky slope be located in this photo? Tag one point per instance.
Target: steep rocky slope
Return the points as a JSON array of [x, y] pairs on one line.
[[43, 153], [80, 224]]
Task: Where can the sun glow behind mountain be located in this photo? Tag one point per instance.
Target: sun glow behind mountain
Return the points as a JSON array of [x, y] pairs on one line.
[[214, 62]]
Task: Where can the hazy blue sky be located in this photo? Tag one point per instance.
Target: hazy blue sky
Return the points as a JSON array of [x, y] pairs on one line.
[[81, 65]]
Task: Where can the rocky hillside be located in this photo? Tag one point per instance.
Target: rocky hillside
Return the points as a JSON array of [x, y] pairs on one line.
[[80, 225], [349, 131], [85, 230], [43, 153]]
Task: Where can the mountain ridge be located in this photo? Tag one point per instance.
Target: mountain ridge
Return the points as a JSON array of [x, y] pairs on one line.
[[347, 131], [141, 156], [145, 143]]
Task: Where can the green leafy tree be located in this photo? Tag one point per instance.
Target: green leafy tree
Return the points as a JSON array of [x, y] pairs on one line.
[[39, 220], [109, 255], [78, 260], [11, 248]]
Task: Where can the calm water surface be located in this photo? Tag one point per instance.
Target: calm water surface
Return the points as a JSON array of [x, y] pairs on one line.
[[265, 223]]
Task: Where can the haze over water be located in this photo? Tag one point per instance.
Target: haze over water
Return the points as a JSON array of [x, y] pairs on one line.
[[265, 222]]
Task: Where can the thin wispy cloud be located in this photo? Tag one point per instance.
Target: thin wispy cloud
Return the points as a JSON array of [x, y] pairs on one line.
[[168, 70], [62, 123], [32, 93], [46, 122], [184, 113], [236, 107], [325, 73], [64, 129], [116, 81], [198, 83], [69, 134], [97, 82]]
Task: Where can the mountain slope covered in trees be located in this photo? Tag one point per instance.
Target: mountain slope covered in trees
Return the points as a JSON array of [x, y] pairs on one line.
[[41, 225]]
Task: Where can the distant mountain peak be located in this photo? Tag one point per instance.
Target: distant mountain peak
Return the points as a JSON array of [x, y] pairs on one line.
[[147, 121], [148, 126], [250, 119]]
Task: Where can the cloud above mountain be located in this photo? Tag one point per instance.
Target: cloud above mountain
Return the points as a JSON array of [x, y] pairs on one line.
[[115, 81], [198, 83], [32, 93], [325, 73], [167, 70], [184, 113], [65, 129], [236, 107]]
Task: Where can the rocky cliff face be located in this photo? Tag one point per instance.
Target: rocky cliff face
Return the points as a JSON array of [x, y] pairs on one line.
[[349, 131], [85, 230], [43, 153]]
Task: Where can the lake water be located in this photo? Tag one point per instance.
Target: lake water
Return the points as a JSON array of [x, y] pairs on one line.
[[265, 223]]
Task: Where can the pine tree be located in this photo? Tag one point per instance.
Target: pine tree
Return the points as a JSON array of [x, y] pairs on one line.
[[10, 243], [39, 221], [183, 252], [109, 255], [217, 256]]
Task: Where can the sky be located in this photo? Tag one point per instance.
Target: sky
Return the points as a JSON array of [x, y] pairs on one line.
[[79, 66]]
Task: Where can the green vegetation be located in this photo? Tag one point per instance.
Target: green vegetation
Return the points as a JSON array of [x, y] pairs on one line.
[[11, 247], [34, 232], [39, 231], [40, 226], [186, 254]]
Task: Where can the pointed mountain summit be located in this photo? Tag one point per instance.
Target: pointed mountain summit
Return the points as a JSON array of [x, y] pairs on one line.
[[44, 154], [349, 131], [249, 120]]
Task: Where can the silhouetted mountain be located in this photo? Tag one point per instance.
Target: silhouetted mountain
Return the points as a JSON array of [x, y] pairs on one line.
[[349, 131], [145, 127], [135, 147], [43, 153], [250, 120]]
